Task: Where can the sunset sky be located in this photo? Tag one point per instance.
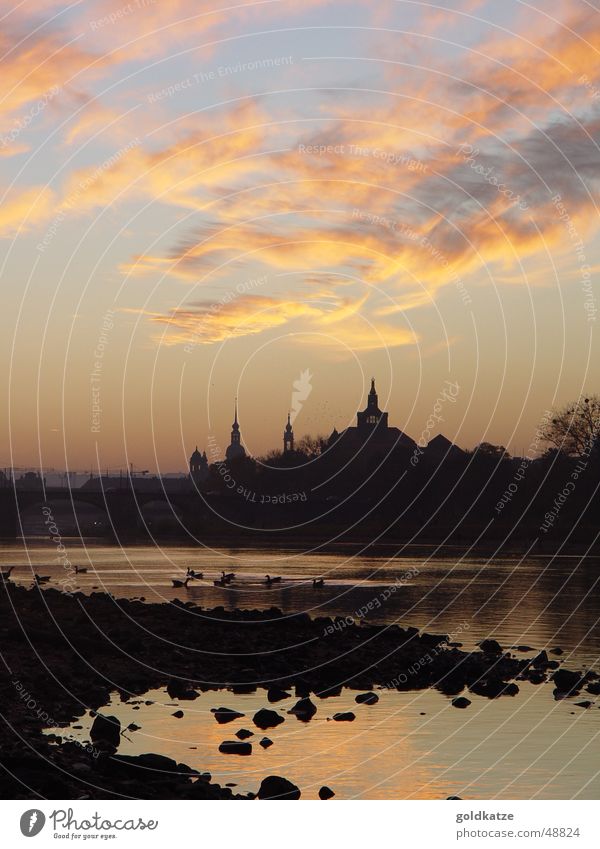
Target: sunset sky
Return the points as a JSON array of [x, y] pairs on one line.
[[205, 199]]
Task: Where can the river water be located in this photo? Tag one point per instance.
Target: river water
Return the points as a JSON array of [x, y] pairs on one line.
[[409, 745]]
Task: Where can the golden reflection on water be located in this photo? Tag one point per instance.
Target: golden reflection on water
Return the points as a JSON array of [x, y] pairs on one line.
[[529, 746]]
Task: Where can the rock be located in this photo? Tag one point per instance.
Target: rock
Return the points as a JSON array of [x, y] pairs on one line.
[[304, 710], [224, 715], [235, 747], [594, 688], [180, 690], [523, 648], [243, 734], [454, 798], [147, 767], [276, 694], [452, 683], [346, 716], [265, 718], [275, 787], [81, 768], [133, 727], [540, 660], [491, 688], [329, 692], [265, 742], [567, 681], [106, 729], [366, 699], [326, 793], [490, 647], [460, 702], [178, 714], [585, 704], [302, 689], [557, 650]]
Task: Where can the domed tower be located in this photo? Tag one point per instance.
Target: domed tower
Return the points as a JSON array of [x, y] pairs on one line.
[[198, 467], [288, 437], [235, 450]]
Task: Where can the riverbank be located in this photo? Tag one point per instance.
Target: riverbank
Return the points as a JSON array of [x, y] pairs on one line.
[[65, 654]]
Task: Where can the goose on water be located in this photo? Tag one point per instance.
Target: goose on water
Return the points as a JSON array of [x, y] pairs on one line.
[[177, 583], [271, 580], [5, 576], [318, 582]]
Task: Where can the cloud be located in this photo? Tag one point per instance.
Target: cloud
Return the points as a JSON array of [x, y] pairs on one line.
[[337, 322]]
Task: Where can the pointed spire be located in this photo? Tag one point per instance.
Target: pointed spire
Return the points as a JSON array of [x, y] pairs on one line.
[[235, 421], [373, 385]]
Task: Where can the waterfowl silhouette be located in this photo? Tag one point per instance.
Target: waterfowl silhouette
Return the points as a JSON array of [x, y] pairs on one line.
[[80, 570], [5, 576], [177, 583], [192, 574], [41, 579], [318, 582], [271, 580]]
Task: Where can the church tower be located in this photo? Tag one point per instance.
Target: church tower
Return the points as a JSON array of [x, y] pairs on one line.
[[288, 437], [235, 450], [372, 416]]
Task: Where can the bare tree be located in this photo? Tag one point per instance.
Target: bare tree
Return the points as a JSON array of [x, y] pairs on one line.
[[312, 446], [575, 429]]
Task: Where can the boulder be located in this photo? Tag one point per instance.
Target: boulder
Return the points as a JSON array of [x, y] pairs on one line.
[[275, 787], [460, 702], [594, 688], [328, 692], [178, 714], [180, 690], [346, 716], [224, 715], [304, 710], [265, 718], [265, 742], [244, 733], [567, 681], [276, 694], [235, 747], [302, 689], [490, 647], [106, 729], [326, 793], [366, 699], [491, 688]]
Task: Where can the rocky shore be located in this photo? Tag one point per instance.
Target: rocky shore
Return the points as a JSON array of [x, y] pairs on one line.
[[65, 654]]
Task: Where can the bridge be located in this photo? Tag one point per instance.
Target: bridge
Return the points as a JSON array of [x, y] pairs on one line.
[[122, 507]]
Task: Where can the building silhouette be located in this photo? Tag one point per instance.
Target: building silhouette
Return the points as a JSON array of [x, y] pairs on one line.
[[371, 439], [372, 434], [198, 467], [288, 437], [235, 449]]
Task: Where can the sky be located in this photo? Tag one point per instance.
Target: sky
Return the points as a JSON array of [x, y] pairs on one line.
[[278, 201]]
